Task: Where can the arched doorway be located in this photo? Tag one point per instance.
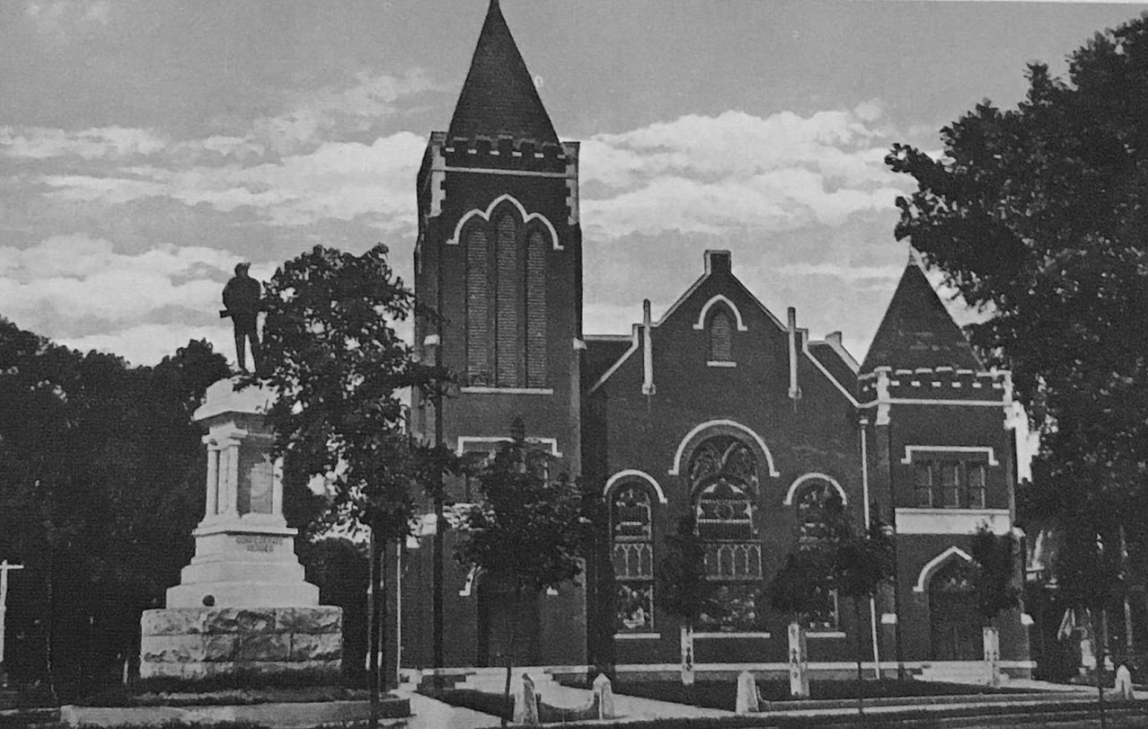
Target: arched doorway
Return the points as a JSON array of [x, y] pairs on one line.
[[955, 630], [507, 624]]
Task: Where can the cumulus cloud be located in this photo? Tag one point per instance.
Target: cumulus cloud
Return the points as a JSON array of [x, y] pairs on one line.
[[61, 19], [37, 143], [147, 344], [707, 174], [74, 277], [336, 181]]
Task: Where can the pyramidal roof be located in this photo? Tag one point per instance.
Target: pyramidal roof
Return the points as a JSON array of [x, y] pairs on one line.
[[917, 331], [499, 95]]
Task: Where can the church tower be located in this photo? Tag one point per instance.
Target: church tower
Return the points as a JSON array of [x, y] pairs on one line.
[[499, 256]]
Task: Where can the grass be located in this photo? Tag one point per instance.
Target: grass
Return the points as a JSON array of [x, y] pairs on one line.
[[723, 694]]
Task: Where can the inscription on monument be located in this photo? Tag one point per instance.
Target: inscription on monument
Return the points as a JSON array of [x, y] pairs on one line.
[[258, 542]]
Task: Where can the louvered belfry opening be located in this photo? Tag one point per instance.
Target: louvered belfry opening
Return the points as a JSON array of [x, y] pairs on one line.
[[506, 304]]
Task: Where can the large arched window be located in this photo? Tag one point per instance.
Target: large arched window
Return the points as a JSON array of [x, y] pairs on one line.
[[632, 542], [723, 482], [505, 304], [819, 508]]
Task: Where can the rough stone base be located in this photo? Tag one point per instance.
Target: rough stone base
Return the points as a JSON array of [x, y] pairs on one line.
[[199, 643]]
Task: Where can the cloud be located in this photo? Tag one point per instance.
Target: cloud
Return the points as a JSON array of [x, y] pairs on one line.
[[147, 344], [74, 278], [708, 174], [61, 19], [38, 143], [336, 181]]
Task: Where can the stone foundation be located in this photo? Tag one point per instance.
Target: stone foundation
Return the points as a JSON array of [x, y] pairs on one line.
[[198, 643]]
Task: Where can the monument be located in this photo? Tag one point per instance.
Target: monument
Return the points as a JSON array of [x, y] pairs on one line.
[[242, 605]]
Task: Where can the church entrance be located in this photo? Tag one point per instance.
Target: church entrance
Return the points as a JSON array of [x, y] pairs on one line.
[[507, 625], [954, 623]]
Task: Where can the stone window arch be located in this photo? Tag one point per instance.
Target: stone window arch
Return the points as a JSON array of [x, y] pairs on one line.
[[632, 555], [506, 300], [723, 475]]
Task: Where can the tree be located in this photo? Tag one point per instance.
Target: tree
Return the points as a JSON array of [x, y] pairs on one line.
[[997, 585], [339, 367], [863, 561], [529, 530], [101, 467], [1036, 216], [685, 590]]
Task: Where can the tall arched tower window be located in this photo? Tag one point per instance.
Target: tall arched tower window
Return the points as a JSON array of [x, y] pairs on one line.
[[632, 545], [506, 326], [723, 481]]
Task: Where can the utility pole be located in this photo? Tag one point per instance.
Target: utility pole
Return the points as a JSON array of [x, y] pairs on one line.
[[5, 568]]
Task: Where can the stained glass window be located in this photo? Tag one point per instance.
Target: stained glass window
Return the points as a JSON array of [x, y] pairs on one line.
[[631, 527]]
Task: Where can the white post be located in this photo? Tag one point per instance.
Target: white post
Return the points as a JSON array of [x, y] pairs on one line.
[[277, 488], [212, 478], [687, 646], [992, 654], [232, 504], [798, 662], [5, 566]]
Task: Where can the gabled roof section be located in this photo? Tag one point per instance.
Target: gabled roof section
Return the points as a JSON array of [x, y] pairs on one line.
[[498, 97], [917, 331]]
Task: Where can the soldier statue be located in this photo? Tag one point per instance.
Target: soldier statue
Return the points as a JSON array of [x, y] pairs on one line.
[[241, 300]]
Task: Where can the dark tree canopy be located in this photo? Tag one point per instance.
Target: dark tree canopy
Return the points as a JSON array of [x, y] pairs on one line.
[[684, 589], [101, 483], [339, 367], [530, 528], [1037, 215]]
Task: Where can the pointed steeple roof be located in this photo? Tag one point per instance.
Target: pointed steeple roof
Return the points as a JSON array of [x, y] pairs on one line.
[[499, 95], [917, 330]]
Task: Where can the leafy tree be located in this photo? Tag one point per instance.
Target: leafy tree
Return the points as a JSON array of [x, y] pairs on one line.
[[684, 589], [339, 368], [863, 561], [101, 467], [1036, 216], [529, 530]]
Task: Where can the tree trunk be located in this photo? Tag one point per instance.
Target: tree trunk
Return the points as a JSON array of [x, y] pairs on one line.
[[372, 631], [1129, 644], [511, 637], [50, 633], [1099, 638], [382, 610], [860, 654]]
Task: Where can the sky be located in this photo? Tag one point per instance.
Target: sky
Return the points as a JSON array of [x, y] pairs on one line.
[[147, 146]]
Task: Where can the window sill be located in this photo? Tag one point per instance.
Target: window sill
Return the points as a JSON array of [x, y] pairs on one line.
[[637, 636], [710, 636], [720, 363], [507, 390], [811, 635]]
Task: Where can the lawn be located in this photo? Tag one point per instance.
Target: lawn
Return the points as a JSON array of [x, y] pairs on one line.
[[723, 694]]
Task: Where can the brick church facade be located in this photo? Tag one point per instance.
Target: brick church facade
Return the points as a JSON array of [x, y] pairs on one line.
[[720, 409]]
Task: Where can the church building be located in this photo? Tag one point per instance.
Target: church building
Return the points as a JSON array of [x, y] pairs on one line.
[[720, 409]]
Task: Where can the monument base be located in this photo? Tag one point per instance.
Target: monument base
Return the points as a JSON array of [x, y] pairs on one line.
[[201, 643]]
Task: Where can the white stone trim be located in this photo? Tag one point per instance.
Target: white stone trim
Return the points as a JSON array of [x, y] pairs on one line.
[[911, 449], [718, 636], [675, 470], [722, 298], [637, 636], [506, 390], [934, 564], [513, 173], [951, 521], [485, 215], [919, 401], [721, 363], [809, 477], [814, 635], [634, 473], [463, 440]]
